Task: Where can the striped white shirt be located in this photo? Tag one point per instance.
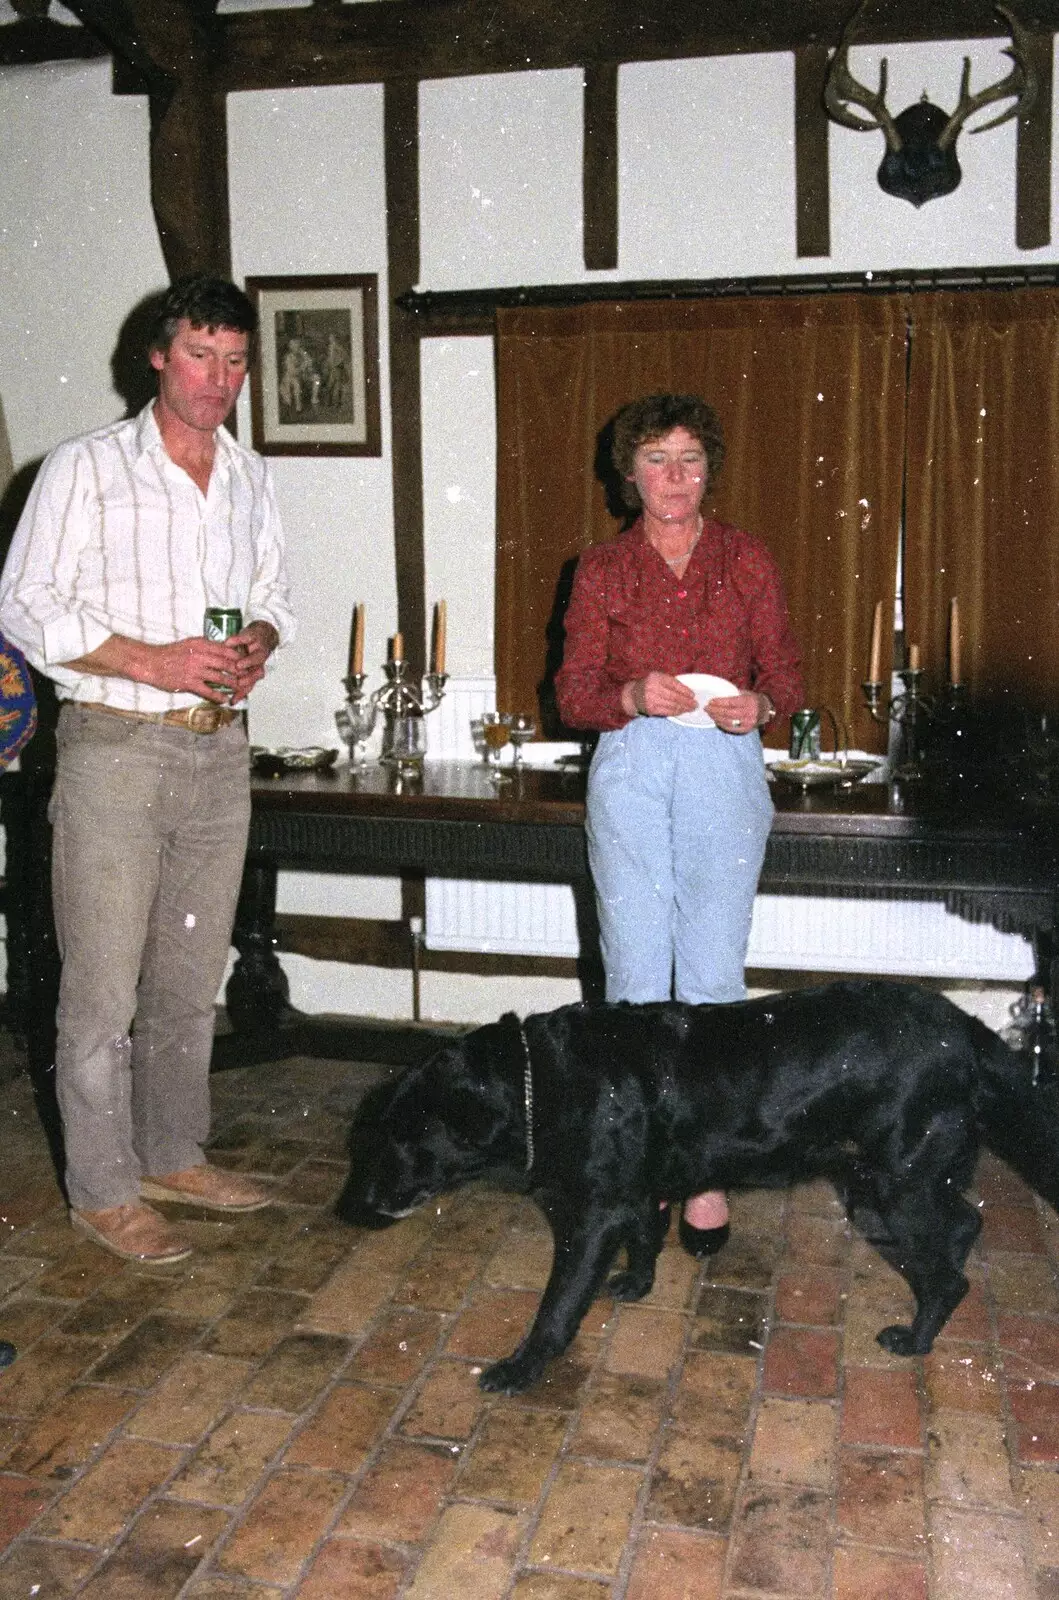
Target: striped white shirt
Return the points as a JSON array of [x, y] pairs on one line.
[[116, 538]]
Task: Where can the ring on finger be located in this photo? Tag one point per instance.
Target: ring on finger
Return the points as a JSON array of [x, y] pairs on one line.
[[737, 722]]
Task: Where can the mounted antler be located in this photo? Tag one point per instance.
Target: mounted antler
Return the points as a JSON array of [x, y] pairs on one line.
[[920, 162]]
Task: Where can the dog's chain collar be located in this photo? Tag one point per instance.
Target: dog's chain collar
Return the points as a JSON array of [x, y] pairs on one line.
[[527, 1094]]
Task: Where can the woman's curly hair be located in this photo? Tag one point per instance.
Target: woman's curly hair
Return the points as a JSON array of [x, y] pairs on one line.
[[652, 417]]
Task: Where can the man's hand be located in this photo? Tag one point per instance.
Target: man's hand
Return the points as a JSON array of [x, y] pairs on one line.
[[221, 672]]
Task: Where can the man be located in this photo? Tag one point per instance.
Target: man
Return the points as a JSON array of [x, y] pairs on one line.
[[131, 532]]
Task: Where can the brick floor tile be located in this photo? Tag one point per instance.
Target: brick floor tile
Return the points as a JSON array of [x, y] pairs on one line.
[[493, 1323], [118, 1305], [870, 1575], [1039, 1498], [308, 1258], [150, 1350], [397, 1347], [647, 1343], [353, 1570], [21, 1501], [295, 1372], [815, 1241], [564, 1377], [586, 1518], [881, 1498], [802, 1361], [66, 1437], [815, 1196], [44, 1571], [1024, 1284], [512, 1455], [400, 1496], [189, 1400], [759, 1211], [1048, 1583], [282, 1526], [96, 1508], [671, 1565], [448, 1404], [816, 1298], [472, 1555], [747, 1262], [1011, 1228], [860, 1343], [963, 1377], [1030, 1346], [781, 1542], [676, 1277], [350, 1298], [881, 1408], [165, 1546], [715, 1392], [695, 1478], [794, 1443], [731, 1320], [346, 1427], [439, 1280], [521, 1261], [255, 1322], [978, 1553], [314, 1183], [224, 1470], [1036, 1410], [39, 1377], [556, 1586], [997, 1184], [23, 1320], [80, 1272], [970, 1320], [619, 1418]]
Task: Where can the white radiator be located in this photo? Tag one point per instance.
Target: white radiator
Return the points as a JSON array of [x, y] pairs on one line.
[[856, 932]]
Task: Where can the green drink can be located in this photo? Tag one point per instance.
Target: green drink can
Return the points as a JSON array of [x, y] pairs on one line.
[[222, 622]]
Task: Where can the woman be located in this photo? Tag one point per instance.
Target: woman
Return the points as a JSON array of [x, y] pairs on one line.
[[677, 815]]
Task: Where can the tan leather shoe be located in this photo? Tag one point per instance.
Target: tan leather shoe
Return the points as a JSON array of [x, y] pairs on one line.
[[207, 1186], [134, 1232]]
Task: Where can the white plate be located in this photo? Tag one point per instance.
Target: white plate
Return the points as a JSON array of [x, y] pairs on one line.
[[705, 687]]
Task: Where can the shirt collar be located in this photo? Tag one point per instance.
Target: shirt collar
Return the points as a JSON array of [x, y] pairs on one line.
[[149, 438]]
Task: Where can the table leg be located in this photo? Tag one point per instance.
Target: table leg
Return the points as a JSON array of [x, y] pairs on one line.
[[257, 994]]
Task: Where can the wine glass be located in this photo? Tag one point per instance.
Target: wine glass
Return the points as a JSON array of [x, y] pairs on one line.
[[496, 726], [356, 720], [523, 729]]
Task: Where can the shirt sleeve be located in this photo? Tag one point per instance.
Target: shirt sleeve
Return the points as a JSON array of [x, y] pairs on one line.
[[587, 695], [269, 598], [39, 610]]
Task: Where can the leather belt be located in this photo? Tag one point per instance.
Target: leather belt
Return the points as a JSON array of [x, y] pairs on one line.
[[203, 718]]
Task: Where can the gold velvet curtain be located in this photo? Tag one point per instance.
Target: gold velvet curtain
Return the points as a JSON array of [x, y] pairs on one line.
[[811, 395], [982, 514]]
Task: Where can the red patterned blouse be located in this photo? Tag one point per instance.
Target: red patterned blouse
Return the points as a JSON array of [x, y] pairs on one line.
[[629, 615]]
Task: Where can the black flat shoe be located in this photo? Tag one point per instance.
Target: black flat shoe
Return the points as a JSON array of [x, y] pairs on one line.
[[702, 1242]]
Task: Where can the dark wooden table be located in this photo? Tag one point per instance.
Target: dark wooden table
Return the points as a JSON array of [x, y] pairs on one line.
[[982, 861]]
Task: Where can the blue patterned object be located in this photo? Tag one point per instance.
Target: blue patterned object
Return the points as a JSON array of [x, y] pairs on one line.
[[18, 704]]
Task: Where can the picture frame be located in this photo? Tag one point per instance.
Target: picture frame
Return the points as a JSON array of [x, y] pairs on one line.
[[314, 376]]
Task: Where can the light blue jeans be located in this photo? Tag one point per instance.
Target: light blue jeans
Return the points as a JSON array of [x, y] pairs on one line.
[[677, 822]]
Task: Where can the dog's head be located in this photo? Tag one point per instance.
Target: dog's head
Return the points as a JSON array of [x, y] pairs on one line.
[[434, 1127]]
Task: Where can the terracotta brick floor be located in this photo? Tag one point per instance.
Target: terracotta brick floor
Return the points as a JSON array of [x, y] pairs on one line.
[[293, 1411]]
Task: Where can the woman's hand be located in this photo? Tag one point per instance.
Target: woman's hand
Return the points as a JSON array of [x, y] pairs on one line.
[[657, 695], [741, 713]]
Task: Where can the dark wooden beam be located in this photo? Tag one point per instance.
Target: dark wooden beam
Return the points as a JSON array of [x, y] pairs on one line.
[[599, 171], [418, 39], [1033, 181], [401, 123], [811, 171]]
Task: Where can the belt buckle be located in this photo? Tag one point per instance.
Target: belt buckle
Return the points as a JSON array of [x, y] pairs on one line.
[[204, 718]]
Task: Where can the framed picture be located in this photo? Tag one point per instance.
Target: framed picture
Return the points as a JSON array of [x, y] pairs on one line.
[[314, 384]]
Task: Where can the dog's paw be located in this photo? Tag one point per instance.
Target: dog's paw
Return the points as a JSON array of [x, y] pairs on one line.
[[629, 1285], [898, 1340], [514, 1375]]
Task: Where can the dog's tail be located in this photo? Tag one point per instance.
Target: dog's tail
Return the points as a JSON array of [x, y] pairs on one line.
[[1017, 1105]]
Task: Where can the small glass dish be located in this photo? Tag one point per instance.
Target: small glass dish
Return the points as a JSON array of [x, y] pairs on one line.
[[271, 763]]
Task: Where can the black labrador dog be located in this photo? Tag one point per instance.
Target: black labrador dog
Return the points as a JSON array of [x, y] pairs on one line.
[[604, 1111]]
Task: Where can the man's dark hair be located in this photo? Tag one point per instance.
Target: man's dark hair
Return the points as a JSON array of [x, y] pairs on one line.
[[204, 302], [652, 417]]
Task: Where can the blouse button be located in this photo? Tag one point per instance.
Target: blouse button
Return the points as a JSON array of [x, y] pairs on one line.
[[682, 594]]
